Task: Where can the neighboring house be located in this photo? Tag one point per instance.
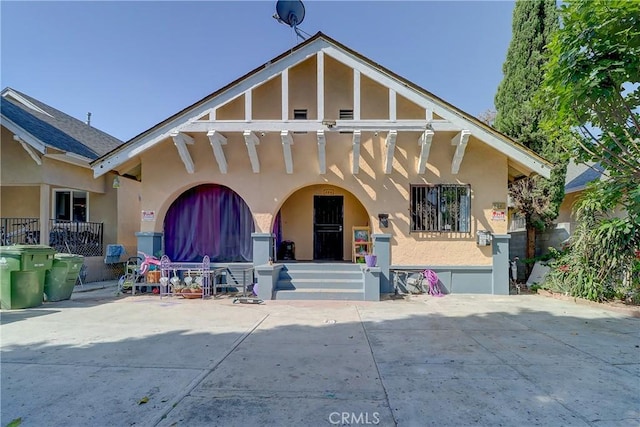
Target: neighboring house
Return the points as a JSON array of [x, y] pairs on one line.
[[316, 141], [48, 193], [577, 177]]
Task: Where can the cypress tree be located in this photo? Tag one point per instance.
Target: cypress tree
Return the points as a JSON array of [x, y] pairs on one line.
[[518, 116]]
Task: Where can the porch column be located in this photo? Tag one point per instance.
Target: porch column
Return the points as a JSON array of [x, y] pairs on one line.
[[500, 273], [45, 209], [262, 248], [382, 250], [371, 283], [149, 242]]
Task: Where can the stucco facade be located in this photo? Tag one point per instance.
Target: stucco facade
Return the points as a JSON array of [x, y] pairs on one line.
[[322, 120], [33, 168]]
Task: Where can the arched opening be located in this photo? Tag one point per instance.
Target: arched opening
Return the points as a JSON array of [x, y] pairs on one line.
[[212, 220], [318, 220]]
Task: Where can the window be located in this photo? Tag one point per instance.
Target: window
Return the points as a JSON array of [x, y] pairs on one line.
[[70, 205], [445, 207]]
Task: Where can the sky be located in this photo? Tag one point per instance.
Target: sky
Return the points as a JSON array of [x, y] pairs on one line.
[[133, 64]]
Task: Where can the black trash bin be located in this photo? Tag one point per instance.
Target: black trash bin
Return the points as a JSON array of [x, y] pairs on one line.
[[287, 250]]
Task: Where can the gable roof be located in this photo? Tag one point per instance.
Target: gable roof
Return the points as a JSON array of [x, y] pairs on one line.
[[41, 125], [322, 43], [580, 174]]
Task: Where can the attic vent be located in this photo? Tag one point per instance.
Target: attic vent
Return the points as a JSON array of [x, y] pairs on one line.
[[346, 114], [299, 115]]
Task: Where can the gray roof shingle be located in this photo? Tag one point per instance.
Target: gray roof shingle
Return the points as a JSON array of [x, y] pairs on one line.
[[579, 175], [59, 130]]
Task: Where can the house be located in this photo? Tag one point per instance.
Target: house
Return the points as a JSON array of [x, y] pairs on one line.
[[577, 177], [307, 147], [48, 193]]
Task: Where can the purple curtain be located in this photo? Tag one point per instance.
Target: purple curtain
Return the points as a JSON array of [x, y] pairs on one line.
[[209, 220], [277, 230]]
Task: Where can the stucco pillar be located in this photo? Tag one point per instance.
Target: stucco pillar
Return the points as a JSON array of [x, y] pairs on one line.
[[262, 248], [267, 278], [149, 242], [45, 209], [500, 273], [371, 283], [382, 250]]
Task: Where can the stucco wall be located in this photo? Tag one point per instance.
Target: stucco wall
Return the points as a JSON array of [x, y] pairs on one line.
[[297, 218], [566, 207], [17, 167], [484, 168], [302, 88], [20, 202]]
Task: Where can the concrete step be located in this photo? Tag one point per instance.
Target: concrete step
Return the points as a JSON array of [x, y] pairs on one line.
[[320, 274], [319, 283], [322, 266], [319, 294]]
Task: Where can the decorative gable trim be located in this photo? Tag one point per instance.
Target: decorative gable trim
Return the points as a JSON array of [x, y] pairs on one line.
[[449, 117]]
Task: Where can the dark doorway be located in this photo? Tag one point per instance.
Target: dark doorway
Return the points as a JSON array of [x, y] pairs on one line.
[[328, 228]]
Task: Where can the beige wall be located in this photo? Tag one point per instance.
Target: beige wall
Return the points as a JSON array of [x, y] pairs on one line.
[[484, 168], [297, 218], [128, 213], [374, 99], [302, 88], [20, 202], [367, 194], [119, 209], [566, 207], [18, 168], [338, 88]]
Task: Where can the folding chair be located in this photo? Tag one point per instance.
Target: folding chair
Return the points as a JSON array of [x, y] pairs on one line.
[[114, 260]]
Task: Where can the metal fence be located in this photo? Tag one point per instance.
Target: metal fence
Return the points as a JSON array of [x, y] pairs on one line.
[[19, 231], [81, 238]]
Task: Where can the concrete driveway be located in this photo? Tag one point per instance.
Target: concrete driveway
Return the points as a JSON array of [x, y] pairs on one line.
[[102, 360]]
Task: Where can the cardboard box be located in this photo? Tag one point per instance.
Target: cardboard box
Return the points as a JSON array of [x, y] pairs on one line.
[[153, 276]]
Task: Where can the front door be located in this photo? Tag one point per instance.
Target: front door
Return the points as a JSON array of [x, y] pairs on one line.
[[327, 228]]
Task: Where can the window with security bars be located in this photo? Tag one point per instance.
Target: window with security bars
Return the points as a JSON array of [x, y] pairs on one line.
[[443, 208]]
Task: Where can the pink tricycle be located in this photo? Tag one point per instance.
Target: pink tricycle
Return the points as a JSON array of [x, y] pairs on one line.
[[134, 276]]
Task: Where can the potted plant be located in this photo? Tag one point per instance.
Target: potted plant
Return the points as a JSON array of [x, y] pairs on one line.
[[370, 260], [193, 291]]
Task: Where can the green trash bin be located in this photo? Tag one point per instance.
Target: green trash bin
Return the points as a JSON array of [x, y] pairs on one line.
[[23, 290], [61, 278]]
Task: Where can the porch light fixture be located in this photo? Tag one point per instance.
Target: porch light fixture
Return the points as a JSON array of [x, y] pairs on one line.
[[116, 182], [329, 123]]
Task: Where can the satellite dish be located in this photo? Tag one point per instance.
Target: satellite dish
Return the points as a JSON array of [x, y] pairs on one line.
[[291, 12]]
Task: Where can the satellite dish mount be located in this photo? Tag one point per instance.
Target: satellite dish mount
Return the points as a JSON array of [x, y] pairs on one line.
[[291, 13]]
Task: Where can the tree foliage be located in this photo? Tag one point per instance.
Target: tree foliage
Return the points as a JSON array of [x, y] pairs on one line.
[[592, 87], [519, 117]]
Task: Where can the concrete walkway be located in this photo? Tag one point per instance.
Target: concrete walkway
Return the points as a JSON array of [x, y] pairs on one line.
[[106, 360]]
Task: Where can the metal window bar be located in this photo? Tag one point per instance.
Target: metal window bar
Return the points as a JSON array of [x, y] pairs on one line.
[[454, 208], [442, 208], [424, 208], [19, 231], [82, 238]]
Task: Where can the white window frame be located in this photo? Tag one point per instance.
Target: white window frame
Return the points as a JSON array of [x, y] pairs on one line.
[[71, 191]]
